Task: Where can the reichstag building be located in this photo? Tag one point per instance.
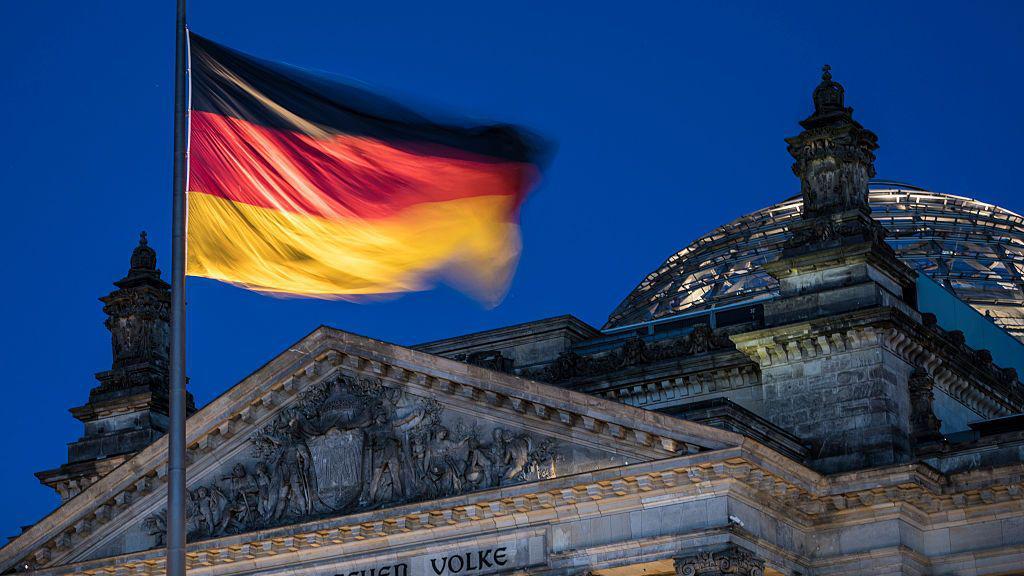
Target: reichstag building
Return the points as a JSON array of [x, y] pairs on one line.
[[826, 386]]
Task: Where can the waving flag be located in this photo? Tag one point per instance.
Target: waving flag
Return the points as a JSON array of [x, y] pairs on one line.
[[302, 185]]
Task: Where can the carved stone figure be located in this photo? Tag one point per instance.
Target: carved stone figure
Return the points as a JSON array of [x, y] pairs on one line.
[[446, 463], [633, 351], [208, 510], [479, 465], [156, 526], [515, 454], [490, 359], [293, 475], [243, 500], [418, 452], [264, 502], [924, 424], [233, 518], [700, 339], [385, 462]]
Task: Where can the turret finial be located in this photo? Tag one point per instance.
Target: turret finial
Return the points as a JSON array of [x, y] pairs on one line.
[[828, 96], [143, 257], [834, 154]]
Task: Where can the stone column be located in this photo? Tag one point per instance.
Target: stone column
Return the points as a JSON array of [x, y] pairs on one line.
[[732, 560]]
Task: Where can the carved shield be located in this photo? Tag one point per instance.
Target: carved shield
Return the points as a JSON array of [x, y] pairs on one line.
[[337, 460]]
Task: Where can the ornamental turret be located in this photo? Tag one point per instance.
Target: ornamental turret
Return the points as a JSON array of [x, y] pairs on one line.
[[842, 293], [834, 155], [138, 318], [834, 158], [127, 411]]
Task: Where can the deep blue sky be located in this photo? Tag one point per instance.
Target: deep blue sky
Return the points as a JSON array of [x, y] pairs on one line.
[[669, 118]]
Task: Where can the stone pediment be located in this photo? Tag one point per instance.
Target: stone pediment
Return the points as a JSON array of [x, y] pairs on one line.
[[341, 424]]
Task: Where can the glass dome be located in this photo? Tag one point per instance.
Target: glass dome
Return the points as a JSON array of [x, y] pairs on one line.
[[971, 247]]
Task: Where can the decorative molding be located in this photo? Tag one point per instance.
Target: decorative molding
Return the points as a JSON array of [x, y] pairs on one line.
[[804, 496], [633, 351], [688, 385], [965, 374], [732, 560]]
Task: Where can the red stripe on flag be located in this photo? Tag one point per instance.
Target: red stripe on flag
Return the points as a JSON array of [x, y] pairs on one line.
[[338, 175]]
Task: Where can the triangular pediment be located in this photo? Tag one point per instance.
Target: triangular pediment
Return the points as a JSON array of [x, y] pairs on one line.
[[340, 424]]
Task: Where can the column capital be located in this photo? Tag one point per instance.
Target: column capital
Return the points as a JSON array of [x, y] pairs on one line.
[[731, 560]]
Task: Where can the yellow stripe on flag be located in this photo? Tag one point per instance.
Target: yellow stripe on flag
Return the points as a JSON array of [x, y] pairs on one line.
[[290, 253]]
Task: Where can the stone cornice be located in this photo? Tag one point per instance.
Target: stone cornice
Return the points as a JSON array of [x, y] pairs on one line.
[[955, 370], [70, 479], [646, 435], [508, 335], [667, 380], [838, 253], [117, 406], [751, 472]]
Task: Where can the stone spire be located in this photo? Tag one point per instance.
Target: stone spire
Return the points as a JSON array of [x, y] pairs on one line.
[[128, 409], [833, 157], [138, 317]]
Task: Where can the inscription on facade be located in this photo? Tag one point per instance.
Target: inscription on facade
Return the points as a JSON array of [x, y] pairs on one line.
[[499, 557], [401, 569], [470, 562]]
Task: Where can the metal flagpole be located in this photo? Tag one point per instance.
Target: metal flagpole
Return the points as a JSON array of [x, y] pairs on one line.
[[176, 431]]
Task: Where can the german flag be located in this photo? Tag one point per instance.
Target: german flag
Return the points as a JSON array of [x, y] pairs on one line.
[[302, 185]]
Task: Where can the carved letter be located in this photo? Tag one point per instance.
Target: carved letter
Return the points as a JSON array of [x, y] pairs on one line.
[[499, 556], [483, 558]]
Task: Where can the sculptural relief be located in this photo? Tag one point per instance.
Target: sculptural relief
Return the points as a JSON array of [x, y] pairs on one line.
[[732, 560], [349, 445], [702, 339]]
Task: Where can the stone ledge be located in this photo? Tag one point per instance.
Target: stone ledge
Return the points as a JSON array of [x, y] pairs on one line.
[[955, 370], [814, 501]]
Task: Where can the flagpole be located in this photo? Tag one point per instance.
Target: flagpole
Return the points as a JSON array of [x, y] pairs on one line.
[[176, 430]]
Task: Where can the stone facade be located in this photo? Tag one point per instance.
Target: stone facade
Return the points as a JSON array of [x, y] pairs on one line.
[[834, 429]]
